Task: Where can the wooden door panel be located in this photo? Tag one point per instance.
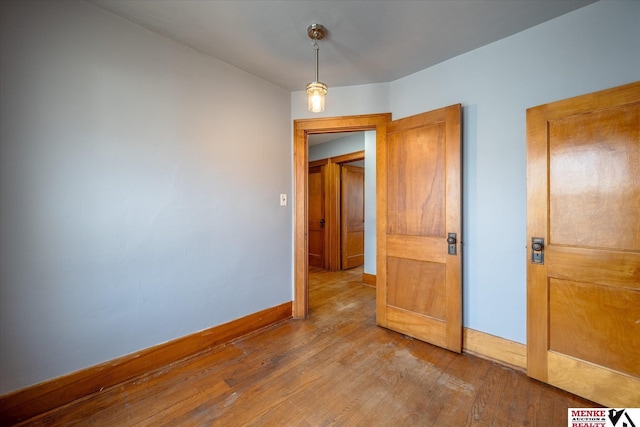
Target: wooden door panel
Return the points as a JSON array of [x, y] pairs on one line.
[[355, 250], [316, 213], [593, 185], [424, 328], [420, 291], [588, 379], [316, 248], [583, 198], [413, 208], [594, 266], [352, 216], [353, 179], [603, 333], [418, 282], [418, 248]]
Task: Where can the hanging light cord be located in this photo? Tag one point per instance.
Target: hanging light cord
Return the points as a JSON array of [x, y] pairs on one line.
[[317, 48]]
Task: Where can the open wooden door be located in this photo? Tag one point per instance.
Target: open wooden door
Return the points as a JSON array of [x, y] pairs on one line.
[[316, 217], [583, 233], [352, 216], [419, 290]]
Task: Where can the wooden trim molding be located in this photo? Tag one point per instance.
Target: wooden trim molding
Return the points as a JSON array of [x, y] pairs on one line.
[[321, 162], [369, 279], [501, 350], [27, 403], [301, 129], [349, 157]]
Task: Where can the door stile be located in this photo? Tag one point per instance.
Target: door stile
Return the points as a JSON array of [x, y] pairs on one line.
[[537, 220], [381, 227], [453, 218]]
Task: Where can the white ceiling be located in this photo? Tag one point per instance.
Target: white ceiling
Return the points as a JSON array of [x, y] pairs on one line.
[[369, 41]]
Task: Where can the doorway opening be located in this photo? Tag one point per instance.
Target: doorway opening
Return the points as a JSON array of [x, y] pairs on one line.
[[336, 200], [302, 129]]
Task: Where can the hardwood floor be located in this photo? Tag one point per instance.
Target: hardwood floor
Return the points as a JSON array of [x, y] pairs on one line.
[[335, 368]]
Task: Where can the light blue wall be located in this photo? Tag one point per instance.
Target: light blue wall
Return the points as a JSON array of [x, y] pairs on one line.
[[137, 203], [344, 101], [593, 48], [370, 202], [350, 143]]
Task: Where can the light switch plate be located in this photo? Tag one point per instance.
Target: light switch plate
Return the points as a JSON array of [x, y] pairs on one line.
[[283, 200]]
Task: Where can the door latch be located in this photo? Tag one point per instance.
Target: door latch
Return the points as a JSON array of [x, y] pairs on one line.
[[452, 239], [537, 250]]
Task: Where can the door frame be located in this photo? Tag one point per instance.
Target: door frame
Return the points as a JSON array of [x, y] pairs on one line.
[[301, 129]]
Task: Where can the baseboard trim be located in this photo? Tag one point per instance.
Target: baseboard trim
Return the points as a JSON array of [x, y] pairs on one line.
[[501, 350], [369, 279], [40, 398]]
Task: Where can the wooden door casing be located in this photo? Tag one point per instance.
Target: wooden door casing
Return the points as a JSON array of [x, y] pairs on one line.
[[301, 129], [352, 216], [419, 290], [583, 199]]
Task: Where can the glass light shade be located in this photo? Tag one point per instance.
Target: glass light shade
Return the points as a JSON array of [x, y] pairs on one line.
[[316, 92]]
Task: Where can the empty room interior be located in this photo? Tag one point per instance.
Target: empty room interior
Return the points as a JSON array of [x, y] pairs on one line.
[[319, 212]]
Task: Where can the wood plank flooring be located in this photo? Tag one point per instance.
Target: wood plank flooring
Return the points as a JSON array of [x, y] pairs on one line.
[[337, 368]]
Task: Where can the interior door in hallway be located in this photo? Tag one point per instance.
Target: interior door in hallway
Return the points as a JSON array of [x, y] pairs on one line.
[[317, 231], [419, 289], [583, 235], [352, 216]]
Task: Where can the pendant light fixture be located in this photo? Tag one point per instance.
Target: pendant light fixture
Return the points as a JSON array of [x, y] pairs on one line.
[[316, 90]]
